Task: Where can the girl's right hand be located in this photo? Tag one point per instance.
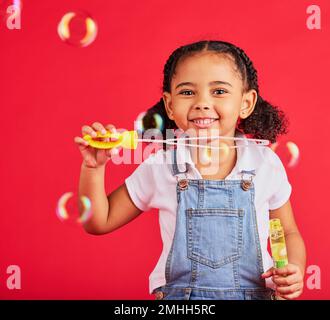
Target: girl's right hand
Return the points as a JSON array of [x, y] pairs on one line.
[[92, 157]]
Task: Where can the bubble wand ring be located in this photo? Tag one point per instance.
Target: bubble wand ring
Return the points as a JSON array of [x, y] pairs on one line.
[[126, 139]]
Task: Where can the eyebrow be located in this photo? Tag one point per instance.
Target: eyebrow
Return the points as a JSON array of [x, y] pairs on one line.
[[210, 83]]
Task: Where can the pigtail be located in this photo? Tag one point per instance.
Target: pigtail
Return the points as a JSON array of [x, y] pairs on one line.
[[265, 122]]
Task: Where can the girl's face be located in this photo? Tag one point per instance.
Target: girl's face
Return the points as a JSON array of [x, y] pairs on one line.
[[206, 86]]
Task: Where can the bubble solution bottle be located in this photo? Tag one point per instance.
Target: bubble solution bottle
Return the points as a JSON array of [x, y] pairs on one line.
[[277, 243]]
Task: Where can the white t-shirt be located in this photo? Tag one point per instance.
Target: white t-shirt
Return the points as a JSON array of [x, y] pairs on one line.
[[152, 185]]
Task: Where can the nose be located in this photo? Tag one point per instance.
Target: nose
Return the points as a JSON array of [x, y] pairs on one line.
[[201, 107]]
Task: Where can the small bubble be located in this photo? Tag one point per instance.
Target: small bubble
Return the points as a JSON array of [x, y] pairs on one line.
[[144, 122]]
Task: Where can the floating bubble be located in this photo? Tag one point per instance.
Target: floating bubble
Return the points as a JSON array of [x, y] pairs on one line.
[[77, 29], [225, 150], [205, 155], [144, 122], [215, 151], [159, 122], [138, 124], [87, 213], [294, 151], [288, 152], [63, 214]]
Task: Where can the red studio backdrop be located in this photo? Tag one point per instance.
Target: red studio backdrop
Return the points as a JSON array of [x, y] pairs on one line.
[[50, 88]]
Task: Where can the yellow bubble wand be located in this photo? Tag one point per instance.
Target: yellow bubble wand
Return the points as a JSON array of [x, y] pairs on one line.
[[277, 243], [130, 139]]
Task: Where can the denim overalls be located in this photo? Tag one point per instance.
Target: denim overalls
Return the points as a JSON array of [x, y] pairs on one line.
[[215, 253]]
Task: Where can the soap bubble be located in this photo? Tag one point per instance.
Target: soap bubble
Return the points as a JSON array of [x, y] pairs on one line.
[[288, 152], [138, 124], [72, 216], [77, 29], [144, 122], [219, 152]]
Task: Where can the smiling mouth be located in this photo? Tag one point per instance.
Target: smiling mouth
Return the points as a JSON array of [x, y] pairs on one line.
[[204, 123]]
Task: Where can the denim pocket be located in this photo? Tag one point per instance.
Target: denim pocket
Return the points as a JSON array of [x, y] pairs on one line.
[[214, 235]]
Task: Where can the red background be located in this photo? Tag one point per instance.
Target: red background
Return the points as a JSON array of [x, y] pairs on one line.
[[50, 89]]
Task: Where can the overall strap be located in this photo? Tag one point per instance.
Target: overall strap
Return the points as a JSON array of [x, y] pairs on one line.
[[246, 183], [175, 169]]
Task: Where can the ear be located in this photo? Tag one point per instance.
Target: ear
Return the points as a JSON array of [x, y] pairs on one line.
[[249, 101], [168, 104]]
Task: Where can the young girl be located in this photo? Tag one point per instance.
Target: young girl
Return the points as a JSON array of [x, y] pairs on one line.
[[213, 220]]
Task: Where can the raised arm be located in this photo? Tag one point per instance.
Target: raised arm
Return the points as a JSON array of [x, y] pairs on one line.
[[109, 212]]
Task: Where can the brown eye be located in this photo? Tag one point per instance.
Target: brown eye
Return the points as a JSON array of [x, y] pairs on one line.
[[185, 91], [221, 90]]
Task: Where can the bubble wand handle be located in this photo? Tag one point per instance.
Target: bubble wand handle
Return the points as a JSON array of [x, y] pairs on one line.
[[277, 243]]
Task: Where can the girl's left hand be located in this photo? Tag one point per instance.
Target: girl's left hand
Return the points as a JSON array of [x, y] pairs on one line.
[[289, 280]]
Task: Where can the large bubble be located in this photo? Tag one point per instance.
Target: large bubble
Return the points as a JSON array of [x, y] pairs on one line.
[[77, 29], [66, 213], [288, 152]]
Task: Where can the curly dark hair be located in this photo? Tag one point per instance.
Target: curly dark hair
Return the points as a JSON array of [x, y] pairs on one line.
[[265, 122]]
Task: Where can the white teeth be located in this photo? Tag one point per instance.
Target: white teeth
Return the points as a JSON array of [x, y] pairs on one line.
[[204, 121]]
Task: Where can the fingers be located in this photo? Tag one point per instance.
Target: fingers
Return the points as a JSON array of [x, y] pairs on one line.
[[268, 273], [288, 269], [285, 281], [111, 128], [91, 130], [113, 151], [80, 141], [290, 296], [97, 126], [289, 289], [289, 281], [88, 130]]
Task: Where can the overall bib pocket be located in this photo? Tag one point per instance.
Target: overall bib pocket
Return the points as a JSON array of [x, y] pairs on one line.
[[214, 235]]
